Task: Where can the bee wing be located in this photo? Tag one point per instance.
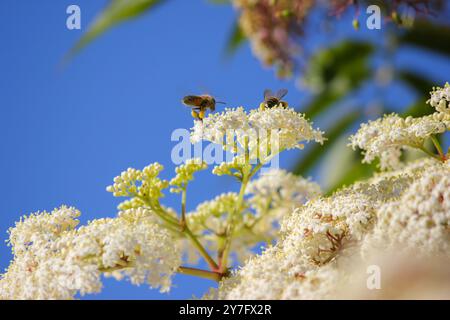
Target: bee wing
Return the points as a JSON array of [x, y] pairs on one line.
[[193, 107], [281, 93], [267, 94]]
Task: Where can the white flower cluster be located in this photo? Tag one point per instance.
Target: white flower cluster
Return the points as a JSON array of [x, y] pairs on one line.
[[323, 241], [275, 194], [282, 188], [402, 211], [269, 198], [55, 260], [260, 133], [440, 98], [386, 137], [419, 219]]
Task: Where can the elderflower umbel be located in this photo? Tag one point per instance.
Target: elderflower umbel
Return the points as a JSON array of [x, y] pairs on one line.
[[53, 260], [261, 133], [386, 137]]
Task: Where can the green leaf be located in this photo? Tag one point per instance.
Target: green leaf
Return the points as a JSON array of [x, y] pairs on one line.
[[335, 72], [315, 152], [336, 163], [355, 172], [324, 101], [115, 13], [422, 86], [328, 64], [418, 109], [415, 81], [235, 40], [429, 36]]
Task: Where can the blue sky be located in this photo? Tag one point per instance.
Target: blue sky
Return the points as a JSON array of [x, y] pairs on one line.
[[65, 133]]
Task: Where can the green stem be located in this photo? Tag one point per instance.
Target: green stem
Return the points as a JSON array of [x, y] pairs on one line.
[[212, 275], [429, 153], [185, 230], [212, 264], [160, 212], [438, 147], [225, 252], [255, 170], [183, 209]]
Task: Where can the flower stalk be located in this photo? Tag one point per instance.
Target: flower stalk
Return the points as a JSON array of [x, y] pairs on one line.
[[225, 251], [212, 275], [212, 264], [183, 210], [438, 147]]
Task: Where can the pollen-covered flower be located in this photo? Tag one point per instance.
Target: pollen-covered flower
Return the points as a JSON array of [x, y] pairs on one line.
[[216, 126], [259, 134], [290, 127], [54, 260]]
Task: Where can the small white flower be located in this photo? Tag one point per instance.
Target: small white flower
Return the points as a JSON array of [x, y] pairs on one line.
[[263, 133]]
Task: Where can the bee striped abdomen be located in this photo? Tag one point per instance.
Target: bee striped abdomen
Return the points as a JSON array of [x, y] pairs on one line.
[[272, 102], [192, 100], [200, 104]]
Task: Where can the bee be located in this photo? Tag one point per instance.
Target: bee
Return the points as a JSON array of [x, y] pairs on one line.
[[200, 104], [271, 100]]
